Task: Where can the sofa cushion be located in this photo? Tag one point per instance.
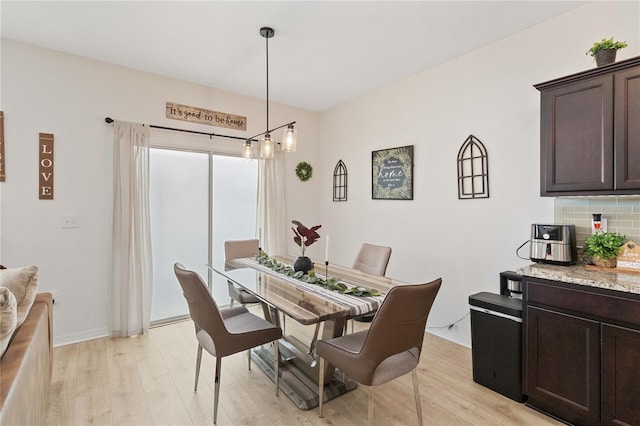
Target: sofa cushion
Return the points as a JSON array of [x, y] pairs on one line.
[[8, 317], [23, 283]]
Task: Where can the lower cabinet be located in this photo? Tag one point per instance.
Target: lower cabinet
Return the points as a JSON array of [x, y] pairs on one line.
[[563, 365], [620, 375], [582, 353]]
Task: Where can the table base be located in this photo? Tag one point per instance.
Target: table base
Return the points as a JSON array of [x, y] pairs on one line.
[[297, 386]]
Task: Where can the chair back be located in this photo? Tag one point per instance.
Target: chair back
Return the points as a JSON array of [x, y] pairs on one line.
[[400, 323], [234, 249], [372, 259], [202, 307]]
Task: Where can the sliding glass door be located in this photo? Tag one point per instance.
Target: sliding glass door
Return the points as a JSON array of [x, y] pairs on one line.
[[198, 200]]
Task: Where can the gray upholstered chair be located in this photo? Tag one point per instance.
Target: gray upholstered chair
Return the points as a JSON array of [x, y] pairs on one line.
[[373, 260], [234, 249], [223, 332], [390, 348]]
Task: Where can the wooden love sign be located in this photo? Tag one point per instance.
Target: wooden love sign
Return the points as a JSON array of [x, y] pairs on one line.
[[45, 190], [629, 257]]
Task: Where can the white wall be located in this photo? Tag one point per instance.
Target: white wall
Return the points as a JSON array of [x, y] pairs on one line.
[[46, 91], [487, 93]]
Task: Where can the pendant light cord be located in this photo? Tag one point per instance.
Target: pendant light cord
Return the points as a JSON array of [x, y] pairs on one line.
[[267, 50]]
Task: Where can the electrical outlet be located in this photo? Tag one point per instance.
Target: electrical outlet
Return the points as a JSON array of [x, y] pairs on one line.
[[602, 227], [72, 221]]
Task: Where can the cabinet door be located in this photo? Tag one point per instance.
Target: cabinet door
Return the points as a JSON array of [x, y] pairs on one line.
[[577, 137], [620, 375], [627, 129], [563, 365]]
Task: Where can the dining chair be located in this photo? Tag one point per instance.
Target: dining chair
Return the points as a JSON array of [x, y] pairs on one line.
[[373, 260], [234, 249], [223, 332], [390, 348]]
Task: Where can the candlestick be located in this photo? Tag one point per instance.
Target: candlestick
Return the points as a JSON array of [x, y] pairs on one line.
[[326, 251], [326, 270]]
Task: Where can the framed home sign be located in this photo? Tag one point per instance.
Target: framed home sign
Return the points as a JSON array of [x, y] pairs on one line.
[[392, 174]]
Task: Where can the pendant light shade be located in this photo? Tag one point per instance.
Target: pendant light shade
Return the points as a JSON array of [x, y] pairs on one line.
[[247, 150], [266, 147], [290, 139]]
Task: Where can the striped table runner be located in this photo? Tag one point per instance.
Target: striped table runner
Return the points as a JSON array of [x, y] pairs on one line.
[[357, 305]]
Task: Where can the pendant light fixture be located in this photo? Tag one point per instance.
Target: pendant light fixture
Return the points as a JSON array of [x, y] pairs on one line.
[[247, 150], [267, 145]]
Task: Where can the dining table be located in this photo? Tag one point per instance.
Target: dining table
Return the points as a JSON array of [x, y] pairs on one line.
[[308, 303]]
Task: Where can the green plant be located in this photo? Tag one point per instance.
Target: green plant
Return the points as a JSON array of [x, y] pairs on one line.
[[304, 171], [329, 283], [304, 236], [606, 43], [604, 245]]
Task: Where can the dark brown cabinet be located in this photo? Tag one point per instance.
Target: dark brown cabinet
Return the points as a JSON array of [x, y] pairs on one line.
[[590, 132], [620, 375], [563, 365], [582, 352]]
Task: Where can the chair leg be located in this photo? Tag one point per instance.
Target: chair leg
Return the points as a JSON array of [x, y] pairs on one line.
[[276, 365], [284, 323], [249, 358], [321, 388], [216, 388], [416, 391], [198, 360], [370, 421]]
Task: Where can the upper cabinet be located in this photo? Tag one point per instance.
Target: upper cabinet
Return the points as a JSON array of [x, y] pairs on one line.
[[590, 132]]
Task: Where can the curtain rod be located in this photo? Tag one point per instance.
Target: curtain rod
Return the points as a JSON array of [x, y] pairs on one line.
[[110, 120]]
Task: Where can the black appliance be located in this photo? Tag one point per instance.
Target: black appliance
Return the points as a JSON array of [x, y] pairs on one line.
[[496, 339], [511, 284]]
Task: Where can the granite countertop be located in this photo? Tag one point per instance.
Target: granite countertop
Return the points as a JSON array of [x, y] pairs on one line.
[[578, 274]]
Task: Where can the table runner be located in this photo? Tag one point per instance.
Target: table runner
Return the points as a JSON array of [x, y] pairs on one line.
[[357, 305]]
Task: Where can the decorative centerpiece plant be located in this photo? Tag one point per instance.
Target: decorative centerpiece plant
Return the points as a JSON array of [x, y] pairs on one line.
[[302, 267], [603, 247], [304, 237]]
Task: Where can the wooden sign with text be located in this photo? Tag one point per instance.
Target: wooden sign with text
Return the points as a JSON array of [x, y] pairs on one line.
[[45, 190], [629, 257], [205, 116], [2, 172]]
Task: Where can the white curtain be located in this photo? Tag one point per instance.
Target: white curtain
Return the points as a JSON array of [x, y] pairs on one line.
[[272, 208], [131, 269]]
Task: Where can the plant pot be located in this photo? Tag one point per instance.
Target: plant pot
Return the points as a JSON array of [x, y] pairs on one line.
[[605, 263], [605, 57], [303, 263]]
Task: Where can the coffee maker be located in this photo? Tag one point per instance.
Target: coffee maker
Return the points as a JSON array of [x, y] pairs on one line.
[[511, 284]]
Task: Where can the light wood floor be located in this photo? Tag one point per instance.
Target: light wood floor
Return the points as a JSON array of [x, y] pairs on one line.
[[148, 380]]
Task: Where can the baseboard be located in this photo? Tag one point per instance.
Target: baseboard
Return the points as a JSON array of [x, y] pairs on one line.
[[83, 336], [450, 337]]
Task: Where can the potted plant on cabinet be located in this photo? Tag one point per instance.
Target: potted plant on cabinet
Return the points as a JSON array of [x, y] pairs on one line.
[[304, 237], [603, 247], [604, 51]]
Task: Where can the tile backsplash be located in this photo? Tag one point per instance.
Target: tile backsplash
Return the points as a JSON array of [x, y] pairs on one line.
[[622, 214]]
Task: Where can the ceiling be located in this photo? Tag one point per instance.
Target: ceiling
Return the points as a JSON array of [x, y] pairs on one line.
[[324, 53]]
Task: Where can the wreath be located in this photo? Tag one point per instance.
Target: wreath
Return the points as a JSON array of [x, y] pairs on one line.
[[304, 171]]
